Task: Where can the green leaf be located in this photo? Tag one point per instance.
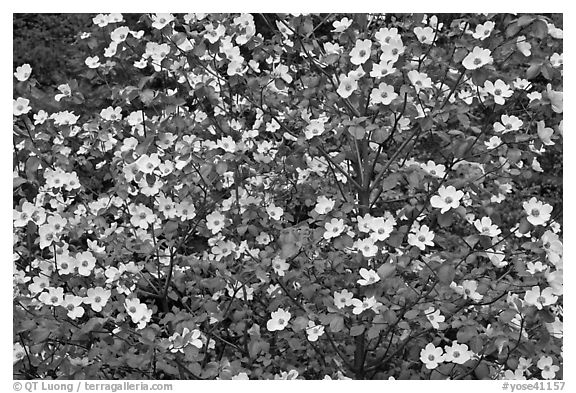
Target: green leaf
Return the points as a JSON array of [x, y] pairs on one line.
[[446, 274], [356, 330], [445, 219], [337, 324], [386, 270], [357, 132]]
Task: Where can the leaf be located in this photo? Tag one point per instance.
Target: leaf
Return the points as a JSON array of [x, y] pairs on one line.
[[386, 270], [507, 315], [446, 274], [466, 333], [539, 29], [357, 132], [299, 323], [337, 324], [356, 330], [533, 71], [445, 219]]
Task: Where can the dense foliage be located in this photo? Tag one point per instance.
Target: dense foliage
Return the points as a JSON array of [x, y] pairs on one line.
[[281, 196]]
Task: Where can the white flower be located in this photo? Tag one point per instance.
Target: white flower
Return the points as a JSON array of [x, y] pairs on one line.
[[539, 298], [384, 94], [367, 247], [341, 25], [421, 238], [314, 331], [549, 369], [432, 356], [279, 320], [457, 353], [424, 34], [538, 212], [347, 86], [92, 62], [486, 227], [447, 198], [333, 228], [434, 317], [21, 106], [324, 205], [23, 72], [361, 52], [368, 277], [477, 58]]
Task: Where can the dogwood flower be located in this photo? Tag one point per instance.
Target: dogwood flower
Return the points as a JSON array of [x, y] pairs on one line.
[[314, 331], [538, 212], [545, 133], [368, 277], [361, 52], [447, 198], [483, 31], [73, 304], [367, 247], [467, 289], [343, 298], [279, 320], [180, 341], [161, 20], [86, 263], [539, 298], [314, 128], [424, 34], [457, 353], [347, 86], [142, 216], [54, 297], [420, 80], [478, 58], [432, 356], [280, 266], [97, 298], [523, 45], [111, 113], [380, 70], [21, 106], [434, 317], [23, 72], [365, 224], [421, 237], [545, 363], [341, 25], [499, 90], [274, 212], [507, 124], [333, 228], [92, 62], [384, 94], [324, 205], [436, 170], [215, 221], [366, 304], [380, 227], [486, 227]]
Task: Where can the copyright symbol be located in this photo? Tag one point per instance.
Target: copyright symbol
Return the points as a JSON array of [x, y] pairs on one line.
[[17, 386]]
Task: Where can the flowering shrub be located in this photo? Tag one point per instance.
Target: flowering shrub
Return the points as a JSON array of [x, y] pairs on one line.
[[282, 196]]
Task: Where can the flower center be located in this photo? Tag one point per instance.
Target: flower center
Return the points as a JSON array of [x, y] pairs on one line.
[[421, 238], [535, 212], [431, 358], [281, 321], [97, 299], [132, 309], [497, 92], [456, 354], [541, 299], [448, 200], [477, 61]]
